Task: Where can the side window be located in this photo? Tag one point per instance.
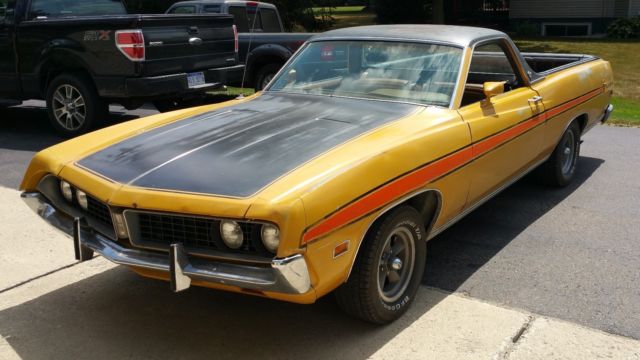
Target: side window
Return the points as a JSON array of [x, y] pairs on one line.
[[65, 8], [183, 10], [270, 22], [489, 63], [211, 9], [240, 15]]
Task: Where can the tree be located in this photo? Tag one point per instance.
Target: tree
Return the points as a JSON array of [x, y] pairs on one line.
[[402, 11]]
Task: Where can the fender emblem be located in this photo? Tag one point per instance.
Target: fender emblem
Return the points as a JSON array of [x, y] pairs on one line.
[[195, 41], [156, 43]]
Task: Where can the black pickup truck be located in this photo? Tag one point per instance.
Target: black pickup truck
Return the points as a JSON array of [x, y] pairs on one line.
[[264, 46], [81, 55]]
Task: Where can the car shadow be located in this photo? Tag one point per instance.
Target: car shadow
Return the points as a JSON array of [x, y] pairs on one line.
[[117, 314], [457, 253], [27, 127]]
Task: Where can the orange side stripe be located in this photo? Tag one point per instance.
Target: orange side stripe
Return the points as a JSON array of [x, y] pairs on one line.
[[420, 177]]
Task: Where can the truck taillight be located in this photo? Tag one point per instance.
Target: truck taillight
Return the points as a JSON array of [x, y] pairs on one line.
[[131, 44], [235, 38]]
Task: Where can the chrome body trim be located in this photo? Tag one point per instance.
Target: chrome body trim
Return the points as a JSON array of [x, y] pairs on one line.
[[288, 275], [466, 211]]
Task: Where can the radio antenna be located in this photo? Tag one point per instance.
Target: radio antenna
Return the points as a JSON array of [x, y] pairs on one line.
[[246, 58]]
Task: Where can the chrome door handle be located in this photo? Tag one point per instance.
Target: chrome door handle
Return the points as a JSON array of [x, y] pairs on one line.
[[535, 99]]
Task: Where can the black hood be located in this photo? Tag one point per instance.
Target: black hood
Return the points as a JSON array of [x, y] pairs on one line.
[[240, 149]]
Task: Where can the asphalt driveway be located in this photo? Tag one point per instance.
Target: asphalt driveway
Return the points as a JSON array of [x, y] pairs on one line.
[[570, 253]]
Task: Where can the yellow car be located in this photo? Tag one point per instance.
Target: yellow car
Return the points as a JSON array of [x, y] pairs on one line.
[[369, 142]]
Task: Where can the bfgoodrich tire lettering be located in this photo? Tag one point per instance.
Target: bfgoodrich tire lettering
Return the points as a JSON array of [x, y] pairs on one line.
[[388, 268]]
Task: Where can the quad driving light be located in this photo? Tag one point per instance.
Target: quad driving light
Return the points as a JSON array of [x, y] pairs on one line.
[[66, 190], [81, 196], [271, 237], [231, 233]]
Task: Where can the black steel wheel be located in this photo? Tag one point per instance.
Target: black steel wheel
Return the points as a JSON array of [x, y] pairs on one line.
[[560, 168], [388, 268], [73, 105]]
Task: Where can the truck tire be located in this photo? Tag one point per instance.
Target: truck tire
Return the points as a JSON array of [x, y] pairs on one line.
[[388, 268], [73, 104], [560, 168], [265, 74]]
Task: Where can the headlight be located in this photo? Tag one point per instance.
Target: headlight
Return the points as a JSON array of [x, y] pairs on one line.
[[271, 237], [231, 233], [81, 196], [66, 190]]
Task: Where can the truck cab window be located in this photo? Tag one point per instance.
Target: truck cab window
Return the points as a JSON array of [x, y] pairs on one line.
[[66, 8], [255, 21], [183, 10], [240, 15], [270, 22], [489, 63], [211, 9]]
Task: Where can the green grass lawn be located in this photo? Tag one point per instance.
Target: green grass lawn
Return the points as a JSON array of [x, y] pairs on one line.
[[347, 16]]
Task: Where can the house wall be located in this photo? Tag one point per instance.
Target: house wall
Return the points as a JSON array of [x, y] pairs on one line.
[[621, 8], [580, 9], [634, 8]]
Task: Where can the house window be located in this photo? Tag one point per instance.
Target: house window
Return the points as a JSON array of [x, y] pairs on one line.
[[566, 29]]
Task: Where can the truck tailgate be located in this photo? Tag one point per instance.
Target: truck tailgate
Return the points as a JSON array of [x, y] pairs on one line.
[[187, 43]]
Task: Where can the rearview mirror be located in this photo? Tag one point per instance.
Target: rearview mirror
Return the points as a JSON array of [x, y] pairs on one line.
[[492, 88], [292, 76]]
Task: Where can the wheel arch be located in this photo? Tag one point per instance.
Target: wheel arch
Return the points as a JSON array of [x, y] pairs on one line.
[[428, 202], [582, 119]]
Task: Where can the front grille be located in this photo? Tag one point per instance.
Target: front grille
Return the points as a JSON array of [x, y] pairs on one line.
[[99, 212], [197, 234]]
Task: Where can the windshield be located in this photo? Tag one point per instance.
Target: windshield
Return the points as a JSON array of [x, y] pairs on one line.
[[407, 72]]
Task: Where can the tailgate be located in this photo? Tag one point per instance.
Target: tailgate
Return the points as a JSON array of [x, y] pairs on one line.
[[187, 43]]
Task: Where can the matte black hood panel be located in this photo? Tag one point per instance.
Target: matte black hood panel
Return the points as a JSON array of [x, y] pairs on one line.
[[238, 150]]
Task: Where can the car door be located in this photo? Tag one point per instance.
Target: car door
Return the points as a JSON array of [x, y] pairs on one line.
[[8, 75], [505, 128]]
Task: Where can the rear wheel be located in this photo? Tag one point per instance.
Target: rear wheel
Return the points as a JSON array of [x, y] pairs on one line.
[[560, 168], [73, 105], [388, 269], [265, 75]]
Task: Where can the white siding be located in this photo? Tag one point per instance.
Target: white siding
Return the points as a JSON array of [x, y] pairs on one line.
[[545, 9], [634, 7]]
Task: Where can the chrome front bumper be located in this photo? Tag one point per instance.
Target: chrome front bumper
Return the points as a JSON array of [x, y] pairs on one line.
[[607, 113], [289, 275]]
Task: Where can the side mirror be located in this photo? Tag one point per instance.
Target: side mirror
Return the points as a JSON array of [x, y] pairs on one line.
[[292, 76], [492, 89]]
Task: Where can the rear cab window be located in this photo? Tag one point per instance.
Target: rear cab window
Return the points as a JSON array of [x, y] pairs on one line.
[[211, 9], [183, 9], [240, 15], [68, 8], [270, 21]]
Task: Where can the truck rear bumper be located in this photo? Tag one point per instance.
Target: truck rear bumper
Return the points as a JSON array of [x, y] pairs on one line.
[[167, 85]]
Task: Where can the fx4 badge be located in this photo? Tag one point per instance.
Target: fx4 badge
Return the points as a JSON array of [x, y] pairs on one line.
[[97, 35]]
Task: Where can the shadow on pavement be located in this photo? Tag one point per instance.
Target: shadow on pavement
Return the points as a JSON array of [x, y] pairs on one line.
[[117, 314], [457, 253]]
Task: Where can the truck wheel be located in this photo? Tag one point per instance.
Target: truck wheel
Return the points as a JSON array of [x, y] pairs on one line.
[[560, 168], [388, 269], [73, 105], [265, 75]]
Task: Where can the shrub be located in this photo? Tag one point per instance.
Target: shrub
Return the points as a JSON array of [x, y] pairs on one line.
[[625, 28]]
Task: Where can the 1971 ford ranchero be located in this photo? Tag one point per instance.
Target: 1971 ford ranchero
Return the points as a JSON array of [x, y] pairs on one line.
[[369, 142]]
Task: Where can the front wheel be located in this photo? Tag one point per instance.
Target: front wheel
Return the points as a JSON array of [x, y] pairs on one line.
[[560, 168], [388, 269], [73, 105]]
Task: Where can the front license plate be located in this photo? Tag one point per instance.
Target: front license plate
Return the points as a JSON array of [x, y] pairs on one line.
[[195, 79]]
